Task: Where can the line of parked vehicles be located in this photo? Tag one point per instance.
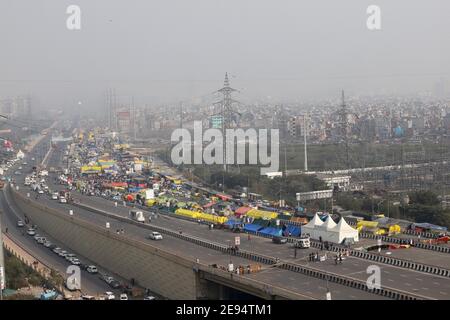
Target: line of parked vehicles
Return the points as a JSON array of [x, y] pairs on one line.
[[70, 257]]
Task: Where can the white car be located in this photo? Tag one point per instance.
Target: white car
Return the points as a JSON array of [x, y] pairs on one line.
[[123, 296], [31, 232], [47, 244], [62, 253], [149, 298], [70, 256], [63, 200], [92, 269], [155, 236], [109, 295], [54, 196], [40, 191], [57, 250], [20, 223]]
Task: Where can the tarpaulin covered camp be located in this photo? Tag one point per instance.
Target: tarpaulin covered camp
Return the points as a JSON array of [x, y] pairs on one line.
[[252, 227], [271, 231], [429, 226], [255, 213]]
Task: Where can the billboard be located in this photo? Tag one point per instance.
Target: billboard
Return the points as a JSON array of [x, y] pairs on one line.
[[314, 195]]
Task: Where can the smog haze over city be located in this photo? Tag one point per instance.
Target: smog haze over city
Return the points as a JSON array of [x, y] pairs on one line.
[[164, 51], [225, 150]]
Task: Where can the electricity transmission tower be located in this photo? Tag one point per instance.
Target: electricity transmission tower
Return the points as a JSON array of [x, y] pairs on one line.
[[227, 112]]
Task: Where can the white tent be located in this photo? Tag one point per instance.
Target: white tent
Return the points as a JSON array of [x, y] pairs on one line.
[[328, 224], [343, 231], [310, 227], [329, 230]]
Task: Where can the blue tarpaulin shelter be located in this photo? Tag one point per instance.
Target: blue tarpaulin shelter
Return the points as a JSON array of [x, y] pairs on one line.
[[293, 230], [271, 231], [252, 227]]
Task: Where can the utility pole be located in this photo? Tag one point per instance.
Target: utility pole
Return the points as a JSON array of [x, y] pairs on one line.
[[305, 130]]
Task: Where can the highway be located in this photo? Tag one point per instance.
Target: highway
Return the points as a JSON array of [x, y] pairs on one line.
[[316, 287], [431, 286]]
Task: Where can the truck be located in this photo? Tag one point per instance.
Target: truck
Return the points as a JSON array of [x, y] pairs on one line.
[[137, 215], [303, 242]]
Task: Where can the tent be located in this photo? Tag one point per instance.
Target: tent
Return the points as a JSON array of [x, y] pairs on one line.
[[310, 227], [344, 231], [329, 230]]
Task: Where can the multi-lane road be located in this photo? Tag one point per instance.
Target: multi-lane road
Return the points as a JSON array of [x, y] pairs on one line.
[[414, 282]]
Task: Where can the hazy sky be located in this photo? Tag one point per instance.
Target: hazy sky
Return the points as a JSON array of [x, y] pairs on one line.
[[175, 49]]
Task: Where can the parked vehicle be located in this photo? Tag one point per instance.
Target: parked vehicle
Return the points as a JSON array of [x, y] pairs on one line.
[[20, 224], [303, 243], [57, 250], [137, 215], [155, 236], [109, 295], [115, 284], [279, 240], [31, 232], [123, 296], [92, 269]]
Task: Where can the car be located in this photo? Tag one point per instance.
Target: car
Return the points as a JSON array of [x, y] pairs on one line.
[[41, 240], [87, 297], [55, 196], [40, 191], [47, 244], [75, 261], [31, 232], [17, 173], [107, 279], [62, 253], [62, 200], [92, 269], [123, 296], [115, 284], [52, 246], [57, 250], [109, 295], [279, 240], [149, 298], [37, 236], [70, 256], [155, 236], [19, 168], [20, 224], [24, 163]]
